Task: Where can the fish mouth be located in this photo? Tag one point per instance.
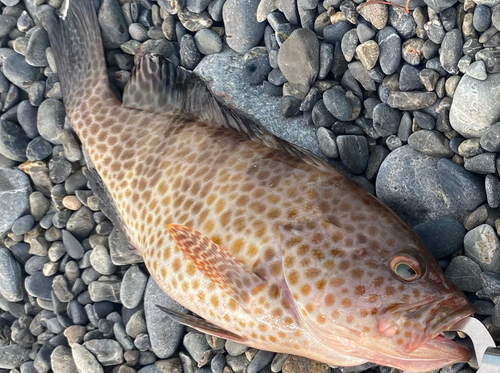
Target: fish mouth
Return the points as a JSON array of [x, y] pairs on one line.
[[418, 326]]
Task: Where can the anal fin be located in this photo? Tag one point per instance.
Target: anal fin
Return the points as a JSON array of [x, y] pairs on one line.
[[201, 325], [232, 276]]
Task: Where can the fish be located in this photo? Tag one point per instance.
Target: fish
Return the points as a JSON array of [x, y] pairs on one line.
[[267, 244]]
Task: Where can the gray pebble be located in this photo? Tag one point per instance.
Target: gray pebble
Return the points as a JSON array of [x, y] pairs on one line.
[[208, 41], [325, 59], [136, 325], [107, 351], [482, 18], [432, 143], [348, 44], [75, 181], [38, 285], [108, 290], [451, 51], [238, 364], [326, 140], [38, 43], [165, 334], [61, 289], [81, 223], [50, 120], [26, 116], [196, 344], [120, 251], [256, 65], [337, 103], [483, 246], [402, 22], [101, 260], [260, 360], [477, 70], [390, 50], [362, 75], [217, 364], [243, 32], [335, 32], [189, 54], [464, 273], [59, 169], [12, 356], [353, 152], [235, 349], [386, 120], [443, 236], [18, 71], [13, 141], [38, 149], [23, 225], [376, 14], [490, 140], [11, 278], [61, 360], [424, 121], [492, 187], [409, 78], [113, 25], [84, 360], [481, 164], [298, 57], [72, 245], [411, 100]]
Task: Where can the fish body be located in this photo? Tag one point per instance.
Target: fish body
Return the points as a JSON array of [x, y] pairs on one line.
[[269, 245]]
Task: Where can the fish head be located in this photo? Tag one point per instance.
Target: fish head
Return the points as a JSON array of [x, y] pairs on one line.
[[382, 299]]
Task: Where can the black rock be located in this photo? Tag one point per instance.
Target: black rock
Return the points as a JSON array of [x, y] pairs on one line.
[[389, 43], [353, 151], [451, 51], [337, 103]]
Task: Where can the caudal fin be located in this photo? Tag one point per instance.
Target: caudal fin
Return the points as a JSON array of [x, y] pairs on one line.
[[77, 46]]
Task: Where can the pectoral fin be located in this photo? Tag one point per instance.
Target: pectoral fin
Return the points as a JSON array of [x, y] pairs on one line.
[[231, 275], [201, 325]]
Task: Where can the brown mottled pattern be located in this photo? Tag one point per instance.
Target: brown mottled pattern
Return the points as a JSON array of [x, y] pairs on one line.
[[320, 245]]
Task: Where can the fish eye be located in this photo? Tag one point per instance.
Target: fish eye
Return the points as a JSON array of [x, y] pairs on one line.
[[405, 267]]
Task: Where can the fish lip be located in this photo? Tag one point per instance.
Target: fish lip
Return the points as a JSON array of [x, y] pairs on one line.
[[440, 314]]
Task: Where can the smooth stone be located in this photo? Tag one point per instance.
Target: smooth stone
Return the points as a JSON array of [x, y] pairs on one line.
[[464, 187], [81, 223], [38, 43], [208, 41], [11, 278], [464, 273], [14, 191], [256, 65], [443, 236], [113, 25], [62, 361], [409, 78], [362, 75], [492, 187], [483, 246], [411, 100], [132, 288], [353, 152], [376, 14], [12, 356], [386, 119], [196, 344], [402, 22], [490, 140], [431, 143], [325, 59], [451, 51], [107, 351], [475, 105], [335, 32], [243, 32], [18, 71], [13, 141], [108, 290], [189, 54], [38, 285], [298, 57], [484, 163], [337, 103], [38, 149], [84, 360], [326, 140], [389, 44], [101, 260], [477, 70], [434, 188], [50, 120], [165, 334], [73, 247], [424, 121]]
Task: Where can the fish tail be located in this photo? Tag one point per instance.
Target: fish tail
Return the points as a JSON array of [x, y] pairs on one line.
[[77, 47]]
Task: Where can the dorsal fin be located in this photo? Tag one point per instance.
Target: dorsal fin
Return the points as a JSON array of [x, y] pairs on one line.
[[231, 275], [156, 85]]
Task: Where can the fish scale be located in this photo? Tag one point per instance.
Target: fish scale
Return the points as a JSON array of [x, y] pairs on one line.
[[268, 244]]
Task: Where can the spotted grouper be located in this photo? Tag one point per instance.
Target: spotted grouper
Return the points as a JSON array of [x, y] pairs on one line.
[[268, 244]]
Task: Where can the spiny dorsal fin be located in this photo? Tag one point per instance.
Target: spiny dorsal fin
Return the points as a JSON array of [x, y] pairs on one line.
[[201, 325], [156, 85], [231, 275]]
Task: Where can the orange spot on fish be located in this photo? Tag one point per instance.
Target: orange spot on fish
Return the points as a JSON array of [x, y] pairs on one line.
[[305, 290], [346, 303]]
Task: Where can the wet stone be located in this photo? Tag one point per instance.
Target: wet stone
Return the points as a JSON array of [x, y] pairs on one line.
[[424, 121], [237, 363], [101, 260], [362, 75], [429, 78], [51, 120], [476, 218], [482, 18], [348, 44], [483, 246], [208, 41], [334, 33], [37, 45], [81, 223], [18, 71], [72, 245], [260, 360], [59, 170], [325, 59]]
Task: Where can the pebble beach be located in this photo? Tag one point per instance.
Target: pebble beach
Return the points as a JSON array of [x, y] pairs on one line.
[[404, 98]]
